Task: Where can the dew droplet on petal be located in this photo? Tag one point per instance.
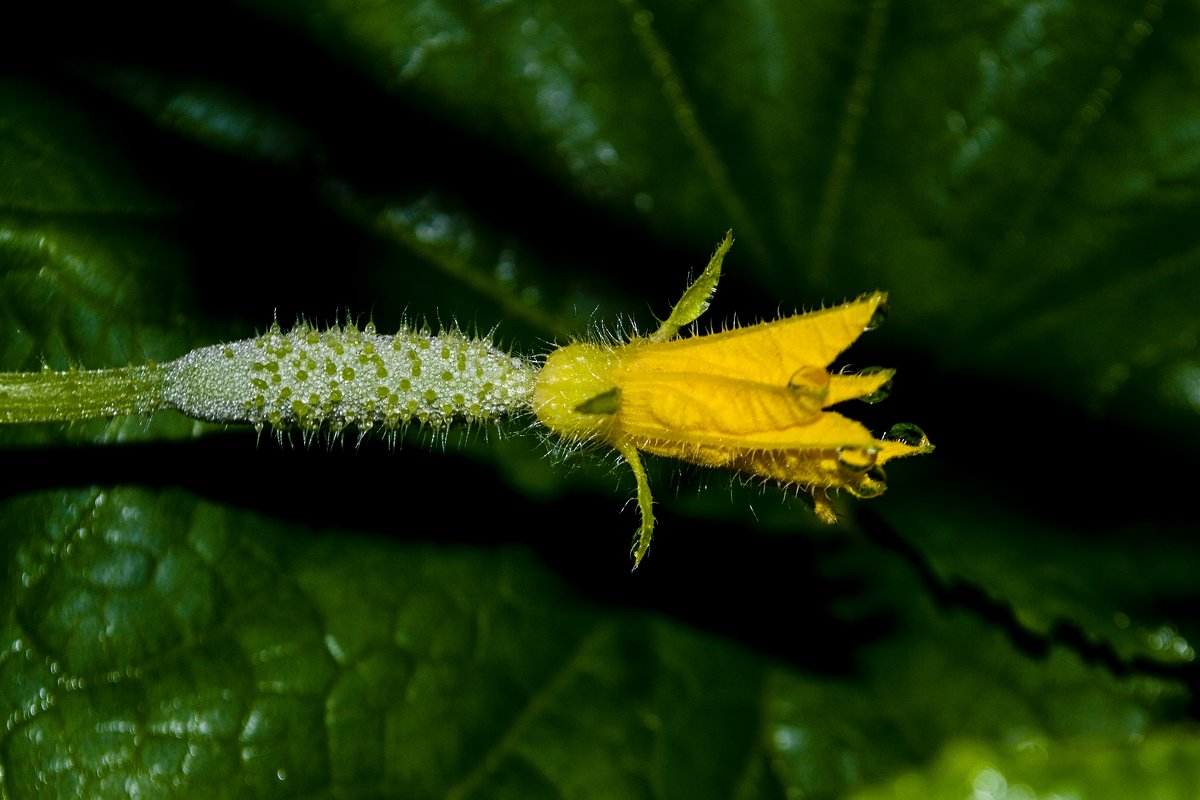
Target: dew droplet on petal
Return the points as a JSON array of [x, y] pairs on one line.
[[880, 315], [857, 459], [907, 433], [879, 394], [810, 381], [872, 484]]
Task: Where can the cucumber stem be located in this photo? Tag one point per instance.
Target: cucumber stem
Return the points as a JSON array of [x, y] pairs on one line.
[[79, 394]]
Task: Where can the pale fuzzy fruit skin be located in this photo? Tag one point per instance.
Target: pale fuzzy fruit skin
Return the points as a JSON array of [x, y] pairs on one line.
[[308, 379]]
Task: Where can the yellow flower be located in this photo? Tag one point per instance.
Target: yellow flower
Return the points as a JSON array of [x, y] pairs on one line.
[[753, 399]]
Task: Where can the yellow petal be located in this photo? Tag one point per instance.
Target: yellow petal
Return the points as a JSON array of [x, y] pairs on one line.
[[769, 352], [708, 410], [891, 448], [850, 387], [804, 468]]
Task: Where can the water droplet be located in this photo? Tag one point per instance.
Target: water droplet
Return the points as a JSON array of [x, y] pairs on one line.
[[1167, 639], [881, 314], [907, 433], [857, 459], [810, 382], [884, 389], [788, 737], [872, 484]]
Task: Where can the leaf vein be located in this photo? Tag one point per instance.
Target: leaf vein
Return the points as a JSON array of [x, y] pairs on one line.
[[537, 702]]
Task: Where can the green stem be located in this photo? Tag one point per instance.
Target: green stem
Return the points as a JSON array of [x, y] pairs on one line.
[[79, 394]]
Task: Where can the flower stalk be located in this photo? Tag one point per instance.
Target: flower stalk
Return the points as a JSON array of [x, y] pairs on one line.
[[76, 395]]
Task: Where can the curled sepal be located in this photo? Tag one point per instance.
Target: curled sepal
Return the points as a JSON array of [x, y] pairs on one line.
[[696, 299]]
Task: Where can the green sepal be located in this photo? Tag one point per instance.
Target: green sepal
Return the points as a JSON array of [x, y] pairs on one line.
[[696, 299]]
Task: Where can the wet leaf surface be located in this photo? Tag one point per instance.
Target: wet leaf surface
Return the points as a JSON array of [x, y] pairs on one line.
[[188, 613]]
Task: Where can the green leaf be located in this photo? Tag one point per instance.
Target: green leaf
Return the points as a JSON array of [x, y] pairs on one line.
[[1116, 587], [159, 643], [1166, 762], [1015, 617], [212, 114]]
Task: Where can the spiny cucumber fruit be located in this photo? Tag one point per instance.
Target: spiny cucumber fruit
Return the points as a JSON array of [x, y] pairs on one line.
[[309, 379]]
